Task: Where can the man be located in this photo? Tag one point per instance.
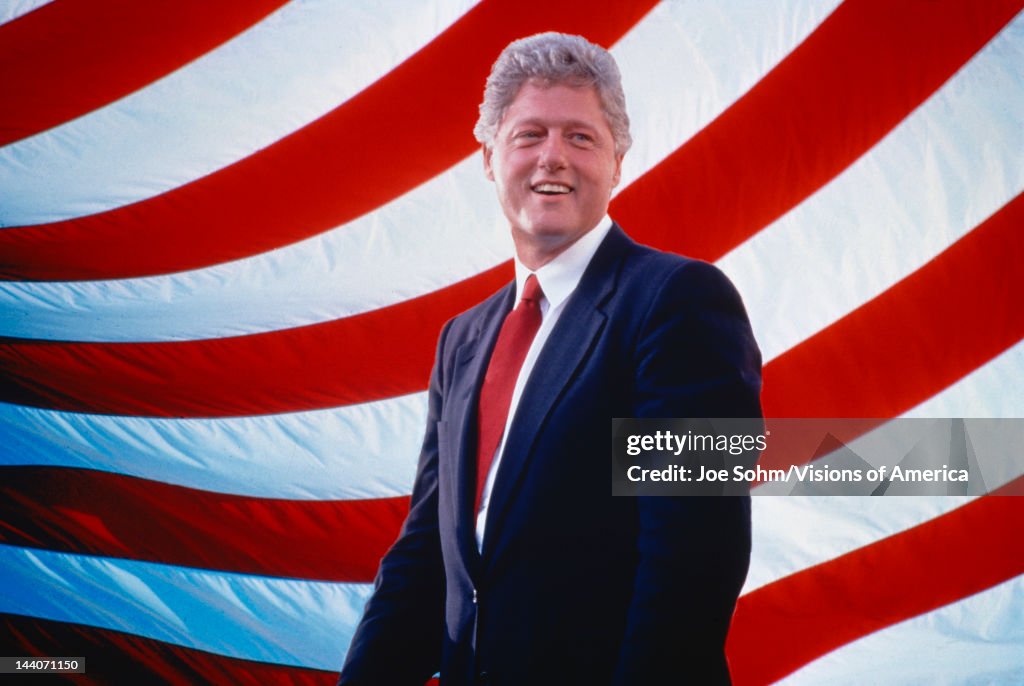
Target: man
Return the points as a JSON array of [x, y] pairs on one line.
[[516, 565]]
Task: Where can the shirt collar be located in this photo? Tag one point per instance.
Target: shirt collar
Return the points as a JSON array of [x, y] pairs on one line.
[[559, 277]]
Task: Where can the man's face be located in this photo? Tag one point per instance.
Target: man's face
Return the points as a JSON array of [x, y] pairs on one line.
[[555, 165]]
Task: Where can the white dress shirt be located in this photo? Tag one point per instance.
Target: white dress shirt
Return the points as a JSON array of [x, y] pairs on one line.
[[558, 279]]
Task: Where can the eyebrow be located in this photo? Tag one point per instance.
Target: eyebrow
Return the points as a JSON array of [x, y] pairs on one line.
[[568, 123]]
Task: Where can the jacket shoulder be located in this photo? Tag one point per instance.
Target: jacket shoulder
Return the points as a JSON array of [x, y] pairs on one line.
[[647, 272]]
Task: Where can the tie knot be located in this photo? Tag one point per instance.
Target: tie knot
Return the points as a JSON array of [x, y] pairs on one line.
[[531, 289]]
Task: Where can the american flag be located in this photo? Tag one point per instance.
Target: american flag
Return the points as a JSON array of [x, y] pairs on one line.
[[231, 232]]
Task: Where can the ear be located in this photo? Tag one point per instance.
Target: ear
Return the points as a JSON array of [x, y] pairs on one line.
[[488, 170], [618, 169]]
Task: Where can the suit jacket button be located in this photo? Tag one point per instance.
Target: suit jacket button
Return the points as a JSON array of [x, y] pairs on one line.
[[474, 596], [482, 679]]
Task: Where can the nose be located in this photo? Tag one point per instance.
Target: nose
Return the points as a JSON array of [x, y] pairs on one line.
[[552, 154]]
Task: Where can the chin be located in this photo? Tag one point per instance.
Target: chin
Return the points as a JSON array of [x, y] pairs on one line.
[[554, 227], [554, 235]]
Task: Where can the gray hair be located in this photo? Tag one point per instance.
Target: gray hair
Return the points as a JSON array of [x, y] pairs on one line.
[[554, 59]]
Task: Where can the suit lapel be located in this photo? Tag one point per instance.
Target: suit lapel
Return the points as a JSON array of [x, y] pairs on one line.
[[470, 365], [564, 353]]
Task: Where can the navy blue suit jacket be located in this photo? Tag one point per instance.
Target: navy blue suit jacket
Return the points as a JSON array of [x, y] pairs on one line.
[[573, 586]]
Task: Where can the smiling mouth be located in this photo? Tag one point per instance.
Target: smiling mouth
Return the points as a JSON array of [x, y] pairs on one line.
[[551, 189]]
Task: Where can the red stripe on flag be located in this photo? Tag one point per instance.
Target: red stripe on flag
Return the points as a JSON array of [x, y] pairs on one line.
[[857, 76], [940, 323], [112, 515], [113, 657], [786, 624], [390, 138], [67, 58], [943, 321], [379, 354]]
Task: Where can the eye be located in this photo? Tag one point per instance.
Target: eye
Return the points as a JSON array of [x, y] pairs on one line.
[[581, 138]]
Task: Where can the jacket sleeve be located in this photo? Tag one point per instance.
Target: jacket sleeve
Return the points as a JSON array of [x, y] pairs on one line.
[[695, 357], [399, 639]]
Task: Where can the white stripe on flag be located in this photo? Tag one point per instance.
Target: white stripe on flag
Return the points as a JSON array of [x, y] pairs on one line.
[[448, 229], [792, 533], [976, 641], [293, 67], [355, 452], [944, 170], [684, 65], [12, 9], [283, 621], [992, 390]]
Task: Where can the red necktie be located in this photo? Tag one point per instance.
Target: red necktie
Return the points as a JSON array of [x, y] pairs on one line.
[[514, 340]]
